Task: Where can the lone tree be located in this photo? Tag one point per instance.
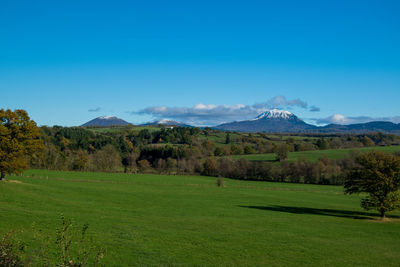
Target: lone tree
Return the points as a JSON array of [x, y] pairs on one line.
[[19, 140], [378, 175], [227, 138], [282, 152]]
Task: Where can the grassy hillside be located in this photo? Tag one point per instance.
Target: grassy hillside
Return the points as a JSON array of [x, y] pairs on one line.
[[186, 220], [314, 155]]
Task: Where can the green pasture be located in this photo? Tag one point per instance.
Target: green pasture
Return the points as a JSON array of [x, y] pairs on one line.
[[159, 220], [314, 155], [219, 138]]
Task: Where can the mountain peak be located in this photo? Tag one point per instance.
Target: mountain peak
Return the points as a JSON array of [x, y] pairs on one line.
[[105, 121], [273, 120], [165, 121], [107, 117], [275, 114]]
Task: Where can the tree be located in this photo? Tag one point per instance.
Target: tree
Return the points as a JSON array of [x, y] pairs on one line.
[[144, 165], [106, 159], [19, 140], [80, 160], [282, 152], [129, 161], [236, 149], [227, 138], [378, 175], [210, 167], [367, 141], [322, 143]]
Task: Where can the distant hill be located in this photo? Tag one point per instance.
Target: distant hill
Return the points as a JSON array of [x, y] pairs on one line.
[[106, 121], [270, 121], [374, 126], [166, 123]]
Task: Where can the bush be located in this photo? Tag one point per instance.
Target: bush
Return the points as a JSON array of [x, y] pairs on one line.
[[11, 251], [73, 249], [144, 165], [220, 182]]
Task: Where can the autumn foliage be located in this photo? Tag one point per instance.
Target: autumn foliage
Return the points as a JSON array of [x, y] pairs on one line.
[[19, 141]]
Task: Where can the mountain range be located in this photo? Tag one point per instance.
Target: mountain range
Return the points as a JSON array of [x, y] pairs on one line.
[[274, 120], [284, 121]]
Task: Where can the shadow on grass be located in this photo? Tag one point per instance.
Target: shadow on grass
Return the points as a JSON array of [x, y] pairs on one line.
[[325, 212], [265, 160]]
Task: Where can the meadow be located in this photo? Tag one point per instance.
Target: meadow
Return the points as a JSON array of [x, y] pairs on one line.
[[189, 221], [314, 155]]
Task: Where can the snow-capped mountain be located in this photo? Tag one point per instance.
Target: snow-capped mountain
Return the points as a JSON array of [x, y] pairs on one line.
[[105, 121], [275, 114], [273, 120]]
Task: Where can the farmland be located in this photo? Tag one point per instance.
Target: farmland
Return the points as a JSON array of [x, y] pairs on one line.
[[152, 219]]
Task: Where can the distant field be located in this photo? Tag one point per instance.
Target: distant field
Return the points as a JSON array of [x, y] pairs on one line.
[[316, 154], [235, 138], [155, 220]]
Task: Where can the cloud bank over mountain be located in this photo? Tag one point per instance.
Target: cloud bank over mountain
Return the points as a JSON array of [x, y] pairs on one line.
[[209, 114]]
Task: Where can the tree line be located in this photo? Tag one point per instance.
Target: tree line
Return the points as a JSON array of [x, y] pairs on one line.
[[186, 150]]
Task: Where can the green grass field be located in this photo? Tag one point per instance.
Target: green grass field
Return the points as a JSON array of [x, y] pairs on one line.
[[316, 154], [189, 221], [219, 138]]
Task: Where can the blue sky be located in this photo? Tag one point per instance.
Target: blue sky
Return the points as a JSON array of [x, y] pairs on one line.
[[203, 62]]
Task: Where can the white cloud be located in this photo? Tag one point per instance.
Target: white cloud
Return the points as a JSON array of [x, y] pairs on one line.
[[341, 119], [282, 102], [160, 109], [202, 106], [201, 114], [94, 109]]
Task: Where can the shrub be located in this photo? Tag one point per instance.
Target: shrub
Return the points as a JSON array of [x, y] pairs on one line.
[[73, 249], [220, 182], [11, 251]]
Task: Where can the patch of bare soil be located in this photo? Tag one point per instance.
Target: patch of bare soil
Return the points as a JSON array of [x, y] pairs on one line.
[[14, 181]]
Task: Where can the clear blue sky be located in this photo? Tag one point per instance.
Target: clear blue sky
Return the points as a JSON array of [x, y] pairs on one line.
[[60, 59]]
